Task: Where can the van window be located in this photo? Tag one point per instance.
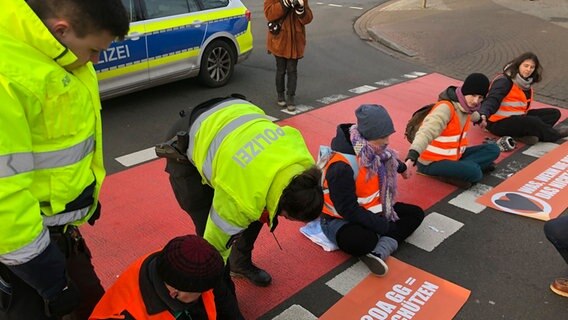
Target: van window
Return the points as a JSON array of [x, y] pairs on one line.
[[164, 8], [212, 4]]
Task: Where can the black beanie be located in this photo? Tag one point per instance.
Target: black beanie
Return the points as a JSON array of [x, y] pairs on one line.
[[190, 264], [475, 83]]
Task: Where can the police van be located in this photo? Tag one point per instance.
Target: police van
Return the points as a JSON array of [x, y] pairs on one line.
[[176, 39]]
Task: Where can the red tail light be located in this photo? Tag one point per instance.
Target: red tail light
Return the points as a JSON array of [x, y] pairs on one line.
[[247, 15]]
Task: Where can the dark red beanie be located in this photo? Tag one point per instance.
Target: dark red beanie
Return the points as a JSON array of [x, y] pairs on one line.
[[189, 263]]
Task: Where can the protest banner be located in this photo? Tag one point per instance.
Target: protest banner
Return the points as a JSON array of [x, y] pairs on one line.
[[538, 191], [405, 293]]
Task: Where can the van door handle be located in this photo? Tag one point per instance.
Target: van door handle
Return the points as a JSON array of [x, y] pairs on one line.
[[134, 36], [196, 23]]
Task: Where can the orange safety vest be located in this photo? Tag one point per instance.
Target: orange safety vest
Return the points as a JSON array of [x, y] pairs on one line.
[[451, 143], [124, 295], [515, 103], [367, 191]]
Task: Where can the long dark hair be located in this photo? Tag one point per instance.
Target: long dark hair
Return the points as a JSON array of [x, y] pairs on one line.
[[303, 198], [512, 67]]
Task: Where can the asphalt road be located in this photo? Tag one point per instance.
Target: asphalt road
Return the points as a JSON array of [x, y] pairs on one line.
[[336, 60]]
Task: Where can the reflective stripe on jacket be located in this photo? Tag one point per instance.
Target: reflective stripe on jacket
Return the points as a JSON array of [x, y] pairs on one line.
[[515, 103], [367, 191], [50, 143], [125, 297], [452, 142], [248, 160]]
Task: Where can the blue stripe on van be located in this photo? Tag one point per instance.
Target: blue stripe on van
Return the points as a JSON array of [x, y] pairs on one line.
[[167, 42]]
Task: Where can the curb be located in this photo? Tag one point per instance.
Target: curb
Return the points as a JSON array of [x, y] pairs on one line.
[[380, 38]]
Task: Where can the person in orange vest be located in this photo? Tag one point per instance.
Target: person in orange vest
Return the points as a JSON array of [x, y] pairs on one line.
[[441, 147], [506, 110], [174, 283], [361, 215]]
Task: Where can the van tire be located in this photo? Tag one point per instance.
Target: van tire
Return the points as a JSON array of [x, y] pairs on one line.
[[217, 64]]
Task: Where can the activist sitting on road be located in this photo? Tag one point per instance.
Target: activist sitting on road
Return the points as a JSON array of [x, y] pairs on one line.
[[505, 111], [360, 213], [236, 171], [174, 283], [440, 147], [556, 232]]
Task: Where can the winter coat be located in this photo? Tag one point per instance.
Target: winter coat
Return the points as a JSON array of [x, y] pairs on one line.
[[502, 88], [339, 178], [291, 40], [436, 122]]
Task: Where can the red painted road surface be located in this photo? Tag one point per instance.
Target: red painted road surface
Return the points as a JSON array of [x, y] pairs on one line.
[[140, 213]]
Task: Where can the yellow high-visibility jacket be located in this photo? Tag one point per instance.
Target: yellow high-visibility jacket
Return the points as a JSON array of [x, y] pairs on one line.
[[248, 160], [50, 134]]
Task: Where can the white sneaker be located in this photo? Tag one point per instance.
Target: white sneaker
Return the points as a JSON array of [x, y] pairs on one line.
[[377, 266]]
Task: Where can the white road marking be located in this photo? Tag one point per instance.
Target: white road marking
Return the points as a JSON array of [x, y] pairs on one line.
[[356, 8], [135, 158], [332, 98], [348, 279], [540, 149], [466, 199], [427, 238], [295, 312], [299, 109], [362, 89], [388, 82], [335, 5]]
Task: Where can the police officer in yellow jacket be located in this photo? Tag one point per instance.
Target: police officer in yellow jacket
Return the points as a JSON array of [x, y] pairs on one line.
[[241, 170], [51, 163]]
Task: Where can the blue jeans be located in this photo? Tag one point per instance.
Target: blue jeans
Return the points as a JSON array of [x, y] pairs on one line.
[[468, 168], [556, 231]]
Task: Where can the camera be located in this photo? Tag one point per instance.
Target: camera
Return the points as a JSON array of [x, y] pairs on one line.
[[274, 27]]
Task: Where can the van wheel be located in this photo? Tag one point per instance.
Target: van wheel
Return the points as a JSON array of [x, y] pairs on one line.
[[217, 64]]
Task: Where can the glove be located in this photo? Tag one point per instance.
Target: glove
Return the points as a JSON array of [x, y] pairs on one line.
[[65, 302], [287, 3]]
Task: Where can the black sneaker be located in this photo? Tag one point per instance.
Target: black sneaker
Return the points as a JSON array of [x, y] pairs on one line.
[[254, 274], [290, 105], [377, 266], [281, 100]]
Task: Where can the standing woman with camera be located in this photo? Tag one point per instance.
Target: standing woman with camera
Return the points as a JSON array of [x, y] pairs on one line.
[[286, 40]]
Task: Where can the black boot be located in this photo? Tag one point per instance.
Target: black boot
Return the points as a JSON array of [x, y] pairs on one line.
[[240, 259], [253, 273]]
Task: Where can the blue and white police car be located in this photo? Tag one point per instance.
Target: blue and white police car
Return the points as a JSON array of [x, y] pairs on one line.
[[176, 39]]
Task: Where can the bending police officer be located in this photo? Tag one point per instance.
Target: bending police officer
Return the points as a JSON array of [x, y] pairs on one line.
[[240, 170]]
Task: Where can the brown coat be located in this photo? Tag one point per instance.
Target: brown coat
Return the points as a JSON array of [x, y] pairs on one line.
[[291, 40]]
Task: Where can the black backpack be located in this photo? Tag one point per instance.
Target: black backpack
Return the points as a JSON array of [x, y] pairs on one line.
[[416, 121]]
